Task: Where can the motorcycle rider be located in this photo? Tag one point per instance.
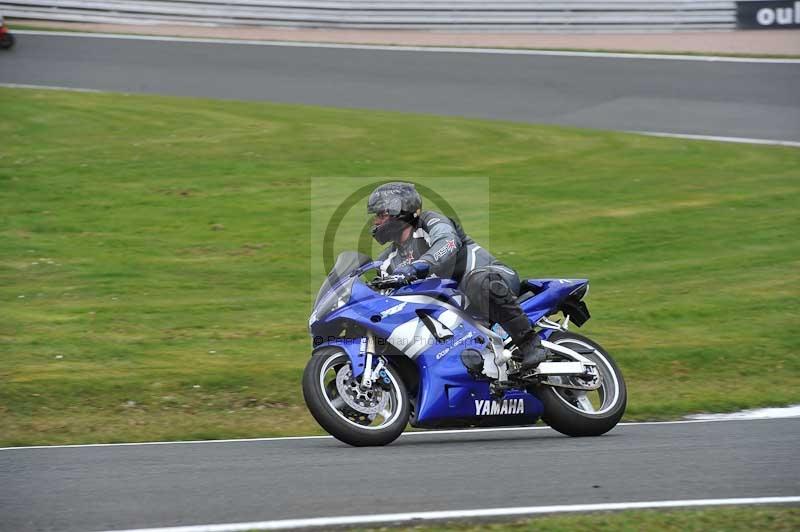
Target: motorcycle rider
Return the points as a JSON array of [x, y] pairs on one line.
[[428, 243]]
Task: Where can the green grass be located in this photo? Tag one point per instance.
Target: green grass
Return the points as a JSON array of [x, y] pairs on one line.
[[155, 255], [744, 519]]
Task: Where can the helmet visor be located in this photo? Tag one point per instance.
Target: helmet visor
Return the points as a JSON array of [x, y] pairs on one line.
[[379, 218]]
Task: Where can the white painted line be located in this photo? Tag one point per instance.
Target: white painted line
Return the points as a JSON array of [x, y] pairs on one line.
[[350, 520], [416, 433], [760, 413], [277, 438], [400, 48], [179, 442], [45, 87], [719, 139]]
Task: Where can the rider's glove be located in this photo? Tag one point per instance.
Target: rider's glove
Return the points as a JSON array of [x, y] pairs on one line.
[[416, 270]]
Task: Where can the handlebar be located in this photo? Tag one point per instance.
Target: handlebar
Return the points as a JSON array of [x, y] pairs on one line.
[[391, 281]]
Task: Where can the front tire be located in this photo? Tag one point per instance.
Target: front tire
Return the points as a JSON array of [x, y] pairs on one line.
[[577, 413], [374, 418]]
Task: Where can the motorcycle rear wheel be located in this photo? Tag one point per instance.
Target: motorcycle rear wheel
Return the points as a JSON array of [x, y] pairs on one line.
[[331, 395], [580, 413], [6, 41]]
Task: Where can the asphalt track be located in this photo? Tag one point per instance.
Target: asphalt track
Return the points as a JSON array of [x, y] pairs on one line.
[[734, 99], [143, 486]]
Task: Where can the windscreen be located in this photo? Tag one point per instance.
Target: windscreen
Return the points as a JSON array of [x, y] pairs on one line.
[[346, 263]]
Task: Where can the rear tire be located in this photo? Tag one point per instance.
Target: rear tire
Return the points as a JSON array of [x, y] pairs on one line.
[[7, 41], [572, 413], [325, 403]]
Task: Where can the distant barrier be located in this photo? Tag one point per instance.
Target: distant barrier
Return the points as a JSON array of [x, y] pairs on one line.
[[460, 15]]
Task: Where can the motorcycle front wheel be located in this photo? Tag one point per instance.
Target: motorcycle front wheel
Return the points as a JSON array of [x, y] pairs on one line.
[[372, 417], [585, 413]]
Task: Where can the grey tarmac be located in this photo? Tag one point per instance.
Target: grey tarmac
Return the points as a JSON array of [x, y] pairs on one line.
[[124, 487], [750, 100]]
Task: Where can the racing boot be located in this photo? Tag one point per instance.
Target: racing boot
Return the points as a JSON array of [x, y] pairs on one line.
[[529, 352]]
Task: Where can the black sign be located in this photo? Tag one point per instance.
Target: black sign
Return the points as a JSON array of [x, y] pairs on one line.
[[768, 15]]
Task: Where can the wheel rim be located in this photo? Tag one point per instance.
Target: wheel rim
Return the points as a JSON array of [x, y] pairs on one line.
[[596, 402], [374, 409]]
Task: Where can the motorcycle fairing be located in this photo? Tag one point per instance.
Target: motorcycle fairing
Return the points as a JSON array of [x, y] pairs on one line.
[[353, 347], [541, 297], [400, 318], [438, 288], [427, 311], [448, 394]]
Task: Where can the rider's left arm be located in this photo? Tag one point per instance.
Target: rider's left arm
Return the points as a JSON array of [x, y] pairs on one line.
[[444, 244]]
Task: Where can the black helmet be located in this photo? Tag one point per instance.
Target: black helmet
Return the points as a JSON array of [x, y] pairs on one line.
[[401, 202]]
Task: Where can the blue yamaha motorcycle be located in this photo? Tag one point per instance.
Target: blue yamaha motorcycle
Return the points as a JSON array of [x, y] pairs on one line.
[[387, 354]]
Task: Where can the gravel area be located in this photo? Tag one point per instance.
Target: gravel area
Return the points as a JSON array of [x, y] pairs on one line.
[[763, 42]]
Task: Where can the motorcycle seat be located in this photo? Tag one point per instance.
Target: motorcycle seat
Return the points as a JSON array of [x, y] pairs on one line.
[[530, 288]]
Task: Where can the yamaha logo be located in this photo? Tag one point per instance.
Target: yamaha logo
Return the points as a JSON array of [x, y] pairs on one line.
[[499, 408]]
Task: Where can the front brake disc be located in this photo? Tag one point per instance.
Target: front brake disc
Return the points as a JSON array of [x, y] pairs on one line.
[[369, 401]]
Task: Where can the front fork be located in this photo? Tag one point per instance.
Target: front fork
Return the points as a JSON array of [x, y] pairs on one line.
[[368, 345], [371, 374]]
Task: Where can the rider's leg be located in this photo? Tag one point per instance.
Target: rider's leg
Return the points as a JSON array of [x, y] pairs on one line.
[[493, 291]]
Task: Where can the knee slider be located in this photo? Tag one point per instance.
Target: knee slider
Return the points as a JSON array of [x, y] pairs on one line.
[[476, 279], [498, 287]]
